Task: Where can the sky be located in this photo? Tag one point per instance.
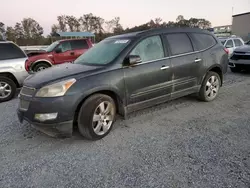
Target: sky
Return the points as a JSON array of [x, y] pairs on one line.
[[131, 12]]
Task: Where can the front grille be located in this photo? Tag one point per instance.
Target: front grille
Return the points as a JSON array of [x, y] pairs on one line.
[[239, 52], [27, 91], [24, 105], [237, 57]]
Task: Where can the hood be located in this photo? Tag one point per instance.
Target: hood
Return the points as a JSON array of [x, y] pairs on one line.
[[35, 53], [58, 72], [39, 55], [244, 48]]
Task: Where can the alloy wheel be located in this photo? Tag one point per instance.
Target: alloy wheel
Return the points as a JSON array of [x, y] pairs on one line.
[[103, 117], [212, 87], [5, 90]]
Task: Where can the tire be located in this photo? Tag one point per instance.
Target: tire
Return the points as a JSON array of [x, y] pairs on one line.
[[235, 69], [207, 91], [40, 66], [7, 84], [86, 124]]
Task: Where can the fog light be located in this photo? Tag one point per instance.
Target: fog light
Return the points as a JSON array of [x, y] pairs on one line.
[[45, 117]]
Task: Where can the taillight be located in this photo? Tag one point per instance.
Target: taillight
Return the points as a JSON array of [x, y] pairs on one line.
[[226, 50], [26, 65]]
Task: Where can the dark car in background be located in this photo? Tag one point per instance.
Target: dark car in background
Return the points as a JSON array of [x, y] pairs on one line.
[[120, 75], [240, 59], [62, 51]]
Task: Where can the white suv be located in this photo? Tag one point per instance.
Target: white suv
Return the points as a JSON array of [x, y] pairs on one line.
[[231, 43], [12, 69]]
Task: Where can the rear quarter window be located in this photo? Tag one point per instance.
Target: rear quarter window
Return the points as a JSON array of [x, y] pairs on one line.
[[179, 43], [202, 41], [10, 51], [79, 44]]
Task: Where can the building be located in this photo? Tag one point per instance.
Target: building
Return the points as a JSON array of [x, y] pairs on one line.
[[241, 25], [224, 30]]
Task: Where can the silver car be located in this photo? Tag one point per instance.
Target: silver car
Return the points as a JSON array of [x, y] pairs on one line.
[[12, 69]]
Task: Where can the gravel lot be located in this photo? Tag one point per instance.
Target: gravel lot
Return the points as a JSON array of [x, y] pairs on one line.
[[183, 143]]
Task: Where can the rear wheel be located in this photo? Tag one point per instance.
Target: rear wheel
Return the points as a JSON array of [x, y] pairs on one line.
[[40, 67], [210, 87], [96, 116], [7, 89]]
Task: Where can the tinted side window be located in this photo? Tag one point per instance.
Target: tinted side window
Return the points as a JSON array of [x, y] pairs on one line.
[[237, 42], [229, 44], [149, 49], [179, 43], [65, 46], [202, 41], [79, 44], [10, 51]]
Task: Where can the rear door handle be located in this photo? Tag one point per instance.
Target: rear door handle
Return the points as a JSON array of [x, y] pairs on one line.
[[72, 53], [197, 60], [164, 67]]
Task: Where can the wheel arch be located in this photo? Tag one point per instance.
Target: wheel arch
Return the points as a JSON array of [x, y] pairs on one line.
[[113, 94], [10, 76], [41, 61], [215, 68]]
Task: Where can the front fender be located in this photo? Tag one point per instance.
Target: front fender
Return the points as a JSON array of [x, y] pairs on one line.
[[8, 69]]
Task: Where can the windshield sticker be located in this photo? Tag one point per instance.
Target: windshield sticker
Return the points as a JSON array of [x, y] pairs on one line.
[[121, 41]]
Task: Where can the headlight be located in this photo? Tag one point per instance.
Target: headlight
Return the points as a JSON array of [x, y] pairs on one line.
[[56, 90]]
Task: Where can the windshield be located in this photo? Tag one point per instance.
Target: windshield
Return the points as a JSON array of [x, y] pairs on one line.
[[51, 47], [103, 53]]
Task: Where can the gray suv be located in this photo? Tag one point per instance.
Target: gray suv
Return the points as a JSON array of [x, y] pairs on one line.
[[122, 74], [12, 69]]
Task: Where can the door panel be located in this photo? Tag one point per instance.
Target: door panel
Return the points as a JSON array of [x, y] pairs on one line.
[[66, 54], [147, 81], [186, 71], [185, 63], [152, 77]]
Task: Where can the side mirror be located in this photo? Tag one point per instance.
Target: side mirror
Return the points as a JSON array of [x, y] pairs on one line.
[[58, 50], [132, 60]]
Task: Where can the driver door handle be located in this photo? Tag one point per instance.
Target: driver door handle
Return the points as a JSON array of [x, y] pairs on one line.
[[164, 67], [72, 53], [197, 60]]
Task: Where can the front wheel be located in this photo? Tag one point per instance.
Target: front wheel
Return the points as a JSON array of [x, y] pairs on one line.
[[40, 66], [96, 116], [210, 87], [7, 89]]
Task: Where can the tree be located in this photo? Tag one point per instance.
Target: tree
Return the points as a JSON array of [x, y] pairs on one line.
[[31, 28], [2, 30], [62, 23], [19, 32], [179, 18], [11, 34], [73, 23], [115, 26], [54, 29]]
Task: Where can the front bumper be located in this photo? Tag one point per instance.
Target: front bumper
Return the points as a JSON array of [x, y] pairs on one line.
[[60, 130], [240, 62], [61, 126]]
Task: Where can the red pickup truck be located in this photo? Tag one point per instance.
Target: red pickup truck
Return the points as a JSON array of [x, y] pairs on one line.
[[62, 51]]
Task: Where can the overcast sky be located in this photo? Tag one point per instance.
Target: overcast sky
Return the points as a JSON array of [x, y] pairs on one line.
[[131, 12]]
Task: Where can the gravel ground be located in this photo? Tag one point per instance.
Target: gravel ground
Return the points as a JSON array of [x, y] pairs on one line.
[[183, 143]]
